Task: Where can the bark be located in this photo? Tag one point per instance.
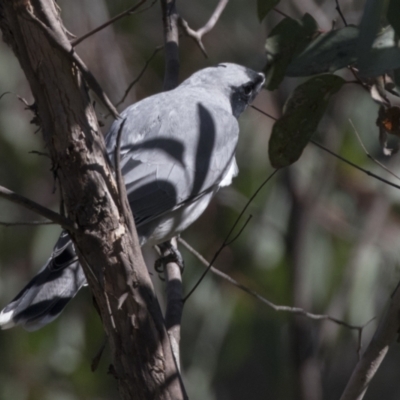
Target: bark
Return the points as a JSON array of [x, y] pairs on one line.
[[143, 362]]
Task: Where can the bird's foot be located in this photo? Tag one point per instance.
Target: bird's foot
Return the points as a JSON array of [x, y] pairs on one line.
[[169, 254]]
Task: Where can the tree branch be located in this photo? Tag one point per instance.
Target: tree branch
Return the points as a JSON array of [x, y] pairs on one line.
[[275, 307], [143, 70], [143, 363], [171, 43], [129, 11], [197, 36], [26, 223], [37, 208]]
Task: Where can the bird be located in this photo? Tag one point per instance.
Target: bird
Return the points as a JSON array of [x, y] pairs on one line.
[[177, 150]]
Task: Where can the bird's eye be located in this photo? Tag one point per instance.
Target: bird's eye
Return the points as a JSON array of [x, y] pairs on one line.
[[248, 89]]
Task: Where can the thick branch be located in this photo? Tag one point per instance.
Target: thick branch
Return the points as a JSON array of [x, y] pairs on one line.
[[143, 362]]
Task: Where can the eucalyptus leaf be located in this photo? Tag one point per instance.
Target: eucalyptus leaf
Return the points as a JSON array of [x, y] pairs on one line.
[[329, 52], [264, 7], [302, 113], [285, 41]]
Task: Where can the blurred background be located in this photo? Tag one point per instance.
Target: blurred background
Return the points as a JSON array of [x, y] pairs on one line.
[[323, 235]]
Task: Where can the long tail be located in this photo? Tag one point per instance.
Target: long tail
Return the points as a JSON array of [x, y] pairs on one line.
[[46, 295]]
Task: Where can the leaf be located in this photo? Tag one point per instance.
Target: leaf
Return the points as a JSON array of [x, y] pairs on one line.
[[302, 113], [264, 7], [329, 52], [285, 41], [393, 15]]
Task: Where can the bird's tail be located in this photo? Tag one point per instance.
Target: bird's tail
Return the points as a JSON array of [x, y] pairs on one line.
[[46, 295]]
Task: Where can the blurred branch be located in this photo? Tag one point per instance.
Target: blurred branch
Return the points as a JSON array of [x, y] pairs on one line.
[[26, 223], [228, 241], [281, 13], [125, 13], [339, 10], [136, 80], [37, 208], [386, 334], [197, 36], [275, 307], [3, 94], [171, 43]]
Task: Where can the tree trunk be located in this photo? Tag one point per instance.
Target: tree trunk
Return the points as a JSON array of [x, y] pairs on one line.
[[109, 252]]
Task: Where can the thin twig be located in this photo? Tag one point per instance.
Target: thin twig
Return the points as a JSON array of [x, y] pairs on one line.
[[197, 36], [136, 80], [3, 94], [281, 13], [26, 223], [37, 208], [355, 165], [368, 154], [39, 153], [96, 359], [129, 11], [338, 156], [66, 48], [253, 293], [226, 241], [339, 10]]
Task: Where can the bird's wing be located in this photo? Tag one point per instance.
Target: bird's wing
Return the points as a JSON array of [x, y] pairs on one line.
[[174, 149]]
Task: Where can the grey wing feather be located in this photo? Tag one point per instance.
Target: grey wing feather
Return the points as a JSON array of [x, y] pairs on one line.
[[165, 167]]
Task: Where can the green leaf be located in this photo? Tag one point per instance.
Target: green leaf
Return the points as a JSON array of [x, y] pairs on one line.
[[393, 15], [329, 52], [285, 41], [264, 7], [302, 113]]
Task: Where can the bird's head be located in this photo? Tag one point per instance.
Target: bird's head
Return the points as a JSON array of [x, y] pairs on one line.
[[239, 84]]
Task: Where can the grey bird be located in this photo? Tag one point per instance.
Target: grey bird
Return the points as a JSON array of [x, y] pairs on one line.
[[177, 150]]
